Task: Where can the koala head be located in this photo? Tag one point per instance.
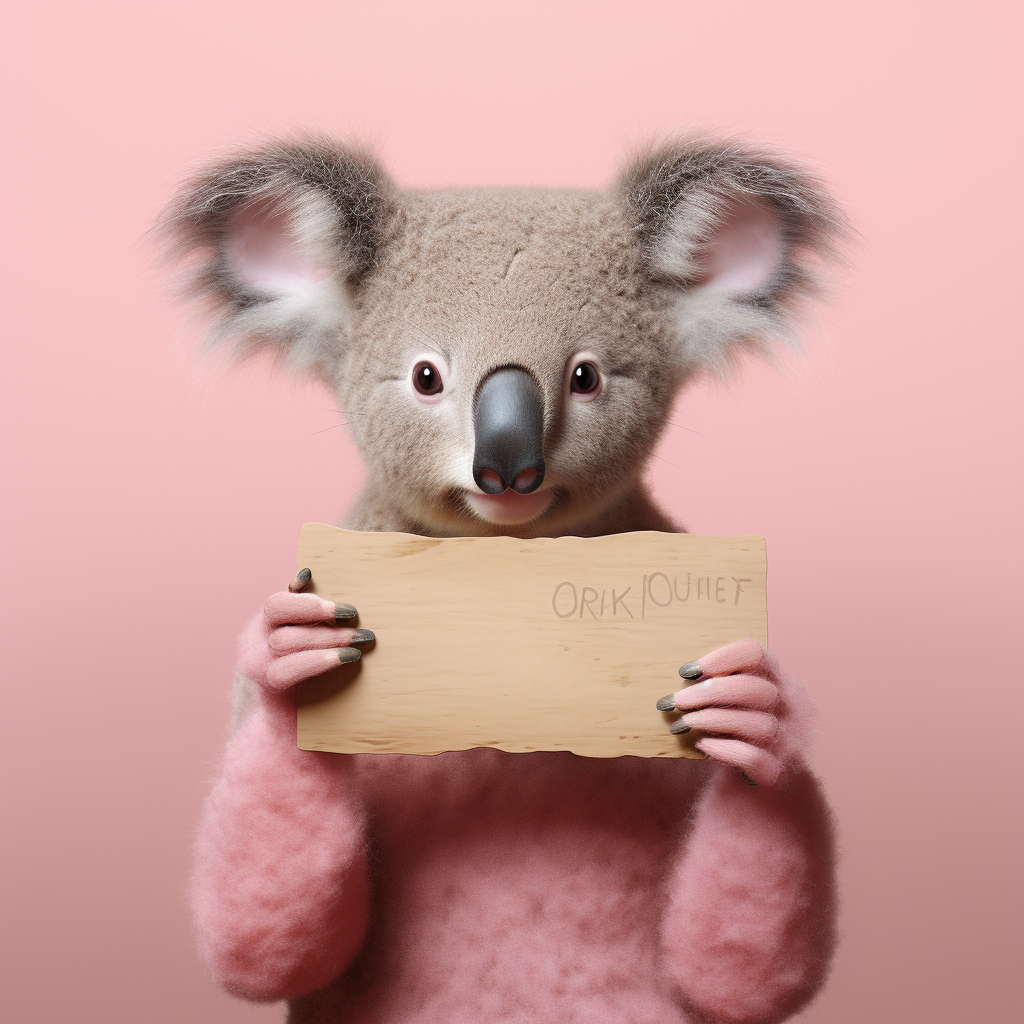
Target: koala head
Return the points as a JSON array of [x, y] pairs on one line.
[[506, 357]]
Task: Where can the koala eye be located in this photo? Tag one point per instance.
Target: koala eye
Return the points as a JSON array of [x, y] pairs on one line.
[[426, 378], [585, 380]]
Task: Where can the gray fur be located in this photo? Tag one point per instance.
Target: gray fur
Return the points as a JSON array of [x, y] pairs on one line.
[[678, 194], [692, 177], [340, 203], [509, 276]]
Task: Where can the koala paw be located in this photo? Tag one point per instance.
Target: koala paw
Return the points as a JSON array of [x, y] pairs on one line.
[[736, 701], [299, 636]]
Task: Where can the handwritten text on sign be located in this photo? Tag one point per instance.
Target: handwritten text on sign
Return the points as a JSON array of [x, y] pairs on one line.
[[523, 645], [568, 599]]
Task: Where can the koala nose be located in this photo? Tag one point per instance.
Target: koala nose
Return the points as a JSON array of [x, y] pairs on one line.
[[508, 424]]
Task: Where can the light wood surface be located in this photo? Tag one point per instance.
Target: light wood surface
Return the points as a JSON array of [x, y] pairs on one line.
[[551, 644]]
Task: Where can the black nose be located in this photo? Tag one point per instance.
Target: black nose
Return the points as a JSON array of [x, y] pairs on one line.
[[508, 423]]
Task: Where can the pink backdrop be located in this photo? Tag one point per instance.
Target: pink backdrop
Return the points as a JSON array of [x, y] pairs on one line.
[[152, 505]]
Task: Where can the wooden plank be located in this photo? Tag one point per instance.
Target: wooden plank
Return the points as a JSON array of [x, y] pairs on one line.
[[550, 644]]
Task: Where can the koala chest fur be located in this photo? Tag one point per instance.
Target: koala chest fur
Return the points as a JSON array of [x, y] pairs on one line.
[[515, 887]]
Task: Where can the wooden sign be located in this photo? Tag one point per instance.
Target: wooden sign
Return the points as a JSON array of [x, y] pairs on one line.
[[549, 644]]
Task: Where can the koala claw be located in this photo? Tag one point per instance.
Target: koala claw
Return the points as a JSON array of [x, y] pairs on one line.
[[302, 578]]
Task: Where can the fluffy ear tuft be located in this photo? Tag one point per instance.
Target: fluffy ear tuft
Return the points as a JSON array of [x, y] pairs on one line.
[[741, 233], [276, 239]]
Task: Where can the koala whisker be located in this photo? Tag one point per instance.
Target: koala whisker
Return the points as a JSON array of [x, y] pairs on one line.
[[430, 344], [352, 465], [343, 412], [682, 427], [672, 464], [333, 426]]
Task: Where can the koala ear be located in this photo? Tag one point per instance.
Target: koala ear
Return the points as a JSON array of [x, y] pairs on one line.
[[277, 239], [740, 234]]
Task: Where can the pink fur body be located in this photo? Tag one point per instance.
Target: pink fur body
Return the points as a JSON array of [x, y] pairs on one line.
[[484, 886]]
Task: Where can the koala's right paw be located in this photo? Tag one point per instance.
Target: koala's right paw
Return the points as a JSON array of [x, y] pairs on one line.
[[303, 635]]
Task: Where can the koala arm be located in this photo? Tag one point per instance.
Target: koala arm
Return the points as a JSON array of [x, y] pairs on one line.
[[749, 928], [279, 887]]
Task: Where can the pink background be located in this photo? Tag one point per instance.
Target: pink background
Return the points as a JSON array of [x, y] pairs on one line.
[[153, 504]]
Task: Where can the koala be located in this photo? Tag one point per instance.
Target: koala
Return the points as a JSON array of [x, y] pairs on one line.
[[507, 359]]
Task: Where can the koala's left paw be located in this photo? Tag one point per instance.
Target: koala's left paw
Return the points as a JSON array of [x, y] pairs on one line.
[[734, 698]]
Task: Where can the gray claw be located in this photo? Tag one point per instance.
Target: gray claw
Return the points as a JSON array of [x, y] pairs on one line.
[[302, 577]]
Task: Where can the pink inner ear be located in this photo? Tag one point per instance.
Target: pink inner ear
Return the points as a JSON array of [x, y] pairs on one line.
[[262, 249], [745, 250]]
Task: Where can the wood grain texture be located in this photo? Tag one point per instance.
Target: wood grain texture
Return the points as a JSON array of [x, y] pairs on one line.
[[549, 644]]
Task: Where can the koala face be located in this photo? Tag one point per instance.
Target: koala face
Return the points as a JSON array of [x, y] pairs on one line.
[[507, 336], [506, 357]]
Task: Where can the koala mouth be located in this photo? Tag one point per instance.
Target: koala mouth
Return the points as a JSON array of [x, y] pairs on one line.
[[509, 508]]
